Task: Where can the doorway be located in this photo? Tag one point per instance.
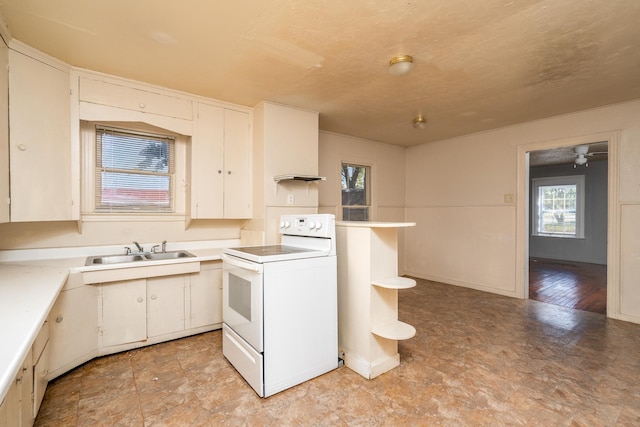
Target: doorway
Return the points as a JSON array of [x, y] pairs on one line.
[[567, 226]]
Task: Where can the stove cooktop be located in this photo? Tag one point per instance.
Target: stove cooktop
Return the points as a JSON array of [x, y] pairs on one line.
[[271, 253]]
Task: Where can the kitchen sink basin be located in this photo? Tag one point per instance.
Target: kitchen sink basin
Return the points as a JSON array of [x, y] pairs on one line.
[[113, 259], [146, 256], [168, 255]]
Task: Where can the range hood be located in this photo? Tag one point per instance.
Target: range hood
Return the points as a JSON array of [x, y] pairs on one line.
[[295, 177]]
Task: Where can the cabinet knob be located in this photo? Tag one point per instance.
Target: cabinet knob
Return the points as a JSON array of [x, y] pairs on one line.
[[142, 105], [22, 147], [229, 172], [139, 299], [153, 297], [59, 319], [219, 170]]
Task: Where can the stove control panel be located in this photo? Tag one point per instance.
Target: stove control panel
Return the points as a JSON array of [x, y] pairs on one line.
[[316, 225]]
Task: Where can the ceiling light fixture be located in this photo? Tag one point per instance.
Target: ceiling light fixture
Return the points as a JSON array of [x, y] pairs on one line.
[[420, 122], [400, 65]]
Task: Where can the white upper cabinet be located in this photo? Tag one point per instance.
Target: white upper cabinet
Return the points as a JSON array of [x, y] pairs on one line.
[[39, 140], [221, 179], [4, 133], [237, 165], [97, 91]]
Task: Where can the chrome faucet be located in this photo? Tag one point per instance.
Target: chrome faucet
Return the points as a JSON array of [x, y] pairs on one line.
[[164, 247], [140, 248]]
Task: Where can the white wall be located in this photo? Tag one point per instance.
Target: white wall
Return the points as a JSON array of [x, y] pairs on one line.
[[387, 178], [285, 141], [458, 191]]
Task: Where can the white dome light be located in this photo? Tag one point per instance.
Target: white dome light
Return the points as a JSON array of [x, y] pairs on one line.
[[400, 65]]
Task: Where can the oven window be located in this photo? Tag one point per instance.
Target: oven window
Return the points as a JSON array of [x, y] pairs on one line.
[[240, 296]]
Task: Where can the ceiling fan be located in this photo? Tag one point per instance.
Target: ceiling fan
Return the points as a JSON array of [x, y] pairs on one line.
[[582, 152]]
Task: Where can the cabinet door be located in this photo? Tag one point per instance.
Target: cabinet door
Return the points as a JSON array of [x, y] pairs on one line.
[[237, 165], [26, 390], [124, 312], [40, 144], [165, 305], [207, 162], [206, 295], [10, 412], [40, 372], [4, 133], [73, 329]]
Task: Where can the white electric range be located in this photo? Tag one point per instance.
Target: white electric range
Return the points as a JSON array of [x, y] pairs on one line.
[[280, 321]]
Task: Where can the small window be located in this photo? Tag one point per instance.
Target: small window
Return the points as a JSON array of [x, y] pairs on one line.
[[559, 206], [134, 171], [355, 192]]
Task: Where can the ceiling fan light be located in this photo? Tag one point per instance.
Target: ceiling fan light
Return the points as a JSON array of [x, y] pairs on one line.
[[581, 150], [400, 65]]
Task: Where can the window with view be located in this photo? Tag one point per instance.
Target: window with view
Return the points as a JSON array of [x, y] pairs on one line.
[[134, 171], [355, 192], [559, 206]]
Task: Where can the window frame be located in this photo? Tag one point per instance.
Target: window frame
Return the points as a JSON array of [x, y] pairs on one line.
[[537, 183], [98, 207], [366, 208]]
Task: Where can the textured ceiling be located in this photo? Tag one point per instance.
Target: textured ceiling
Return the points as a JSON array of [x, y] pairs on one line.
[[478, 65], [567, 155]]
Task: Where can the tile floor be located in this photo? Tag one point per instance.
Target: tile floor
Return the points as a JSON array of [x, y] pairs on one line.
[[477, 360]]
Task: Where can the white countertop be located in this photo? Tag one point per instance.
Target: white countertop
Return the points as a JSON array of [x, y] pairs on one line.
[[30, 287], [27, 293], [374, 224]]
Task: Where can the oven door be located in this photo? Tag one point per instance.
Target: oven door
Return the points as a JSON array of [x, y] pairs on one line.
[[242, 299]]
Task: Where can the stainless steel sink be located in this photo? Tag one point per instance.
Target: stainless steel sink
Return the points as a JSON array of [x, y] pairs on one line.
[[146, 256], [113, 259], [168, 255]]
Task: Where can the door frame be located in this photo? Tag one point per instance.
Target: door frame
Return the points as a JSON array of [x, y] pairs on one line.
[[613, 213]]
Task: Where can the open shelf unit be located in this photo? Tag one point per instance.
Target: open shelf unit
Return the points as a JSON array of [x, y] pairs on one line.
[[368, 284]]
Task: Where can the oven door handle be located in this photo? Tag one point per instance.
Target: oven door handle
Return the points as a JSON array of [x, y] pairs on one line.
[[242, 264]]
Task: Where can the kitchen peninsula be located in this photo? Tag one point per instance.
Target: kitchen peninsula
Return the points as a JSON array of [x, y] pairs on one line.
[[368, 284]]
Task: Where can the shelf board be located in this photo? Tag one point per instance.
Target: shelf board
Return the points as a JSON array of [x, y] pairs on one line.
[[395, 330], [394, 283]]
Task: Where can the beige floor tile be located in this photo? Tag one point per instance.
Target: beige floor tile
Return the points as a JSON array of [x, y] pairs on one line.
[[477, 360]]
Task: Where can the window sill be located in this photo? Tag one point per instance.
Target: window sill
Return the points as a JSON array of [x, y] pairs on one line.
[[557, 236], [133, 217]]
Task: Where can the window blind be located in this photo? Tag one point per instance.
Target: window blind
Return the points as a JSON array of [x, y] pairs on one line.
[[135, 171]]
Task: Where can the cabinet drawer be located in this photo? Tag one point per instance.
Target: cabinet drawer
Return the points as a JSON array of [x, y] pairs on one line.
[[100, 92], [40, 342]]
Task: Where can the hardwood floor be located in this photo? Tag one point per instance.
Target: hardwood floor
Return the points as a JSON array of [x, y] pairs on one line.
[[577, 285]]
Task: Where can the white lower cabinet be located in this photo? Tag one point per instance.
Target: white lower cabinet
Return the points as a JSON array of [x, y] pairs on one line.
[[135, 311], [73, 324], [124, 312], [94, 320], [206, 296], [16, 409], [40, 361], [165, 305]]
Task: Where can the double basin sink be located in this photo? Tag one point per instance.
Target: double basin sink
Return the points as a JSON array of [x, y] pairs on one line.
[[137, 257]]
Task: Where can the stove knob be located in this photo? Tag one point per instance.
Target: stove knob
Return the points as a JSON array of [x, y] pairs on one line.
[[286, 224], [312, 225], [281, 224], [318, 225]]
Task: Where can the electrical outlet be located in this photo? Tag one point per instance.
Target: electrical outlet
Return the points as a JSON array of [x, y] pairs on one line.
[[290, 199]]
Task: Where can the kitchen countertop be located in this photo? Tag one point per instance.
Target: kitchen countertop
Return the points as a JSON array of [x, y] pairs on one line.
[[28, 290], [374, 224], [27, 293]]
